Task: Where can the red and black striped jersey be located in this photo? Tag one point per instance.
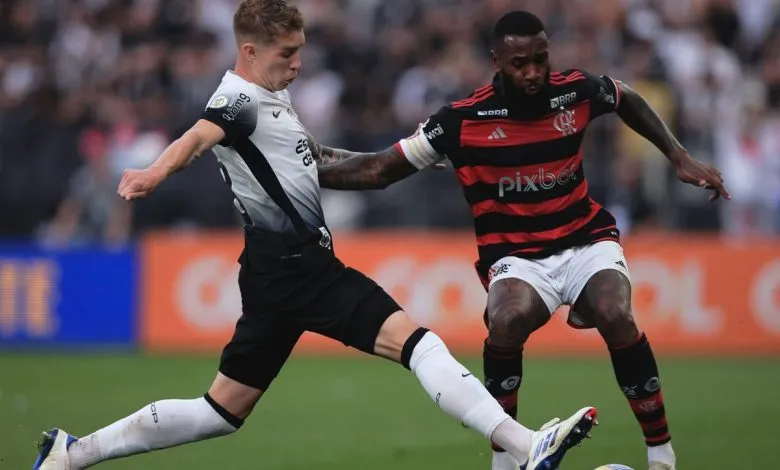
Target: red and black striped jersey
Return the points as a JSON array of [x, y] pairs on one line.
[[519, 162]]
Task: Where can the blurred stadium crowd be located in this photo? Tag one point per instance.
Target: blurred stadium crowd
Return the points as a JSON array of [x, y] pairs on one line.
[[91, 87]]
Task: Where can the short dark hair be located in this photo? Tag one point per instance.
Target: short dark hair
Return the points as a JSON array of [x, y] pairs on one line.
[[517, 23], [264, 20]]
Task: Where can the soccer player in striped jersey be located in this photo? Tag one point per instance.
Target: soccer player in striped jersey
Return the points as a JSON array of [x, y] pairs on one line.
[[543, 242]]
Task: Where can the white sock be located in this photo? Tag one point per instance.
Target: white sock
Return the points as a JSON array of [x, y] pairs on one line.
[[503, 461], [163, 424], [463, 396], [514, 438], [663, 454]]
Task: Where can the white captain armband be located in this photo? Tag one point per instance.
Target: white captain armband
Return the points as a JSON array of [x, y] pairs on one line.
[[418, 150]]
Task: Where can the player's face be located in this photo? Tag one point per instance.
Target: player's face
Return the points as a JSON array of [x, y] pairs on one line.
[[277, 64], [524, 61]]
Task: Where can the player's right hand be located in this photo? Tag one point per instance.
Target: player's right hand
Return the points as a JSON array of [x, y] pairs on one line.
[[139, 183], [692, 171]]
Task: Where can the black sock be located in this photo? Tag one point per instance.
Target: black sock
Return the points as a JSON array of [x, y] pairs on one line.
[[637, 374], [503, 369]]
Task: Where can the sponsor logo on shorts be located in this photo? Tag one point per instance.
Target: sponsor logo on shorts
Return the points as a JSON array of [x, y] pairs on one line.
[[494, 271]]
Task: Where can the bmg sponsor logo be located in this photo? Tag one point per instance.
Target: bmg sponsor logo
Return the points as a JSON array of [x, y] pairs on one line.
[[232, 111], [541, 180]]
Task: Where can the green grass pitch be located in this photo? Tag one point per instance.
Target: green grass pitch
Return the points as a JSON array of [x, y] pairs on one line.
[[357, 413]]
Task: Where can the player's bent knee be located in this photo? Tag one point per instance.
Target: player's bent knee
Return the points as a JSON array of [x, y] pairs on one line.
[[515, 310], [232, 398], [609, 295], [394, 335], [510, 325], [617, 327]]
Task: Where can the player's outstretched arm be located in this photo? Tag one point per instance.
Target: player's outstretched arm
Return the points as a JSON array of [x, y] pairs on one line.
[[340, 169], [637, 113], [327, 155], [180, 153]]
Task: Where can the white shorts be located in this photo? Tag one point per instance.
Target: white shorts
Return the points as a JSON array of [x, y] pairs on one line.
[[559, 279]]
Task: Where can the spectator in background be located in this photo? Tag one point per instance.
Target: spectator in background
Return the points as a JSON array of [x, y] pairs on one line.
[[750, 156], [91, 213], [373, 68], [642, 170]]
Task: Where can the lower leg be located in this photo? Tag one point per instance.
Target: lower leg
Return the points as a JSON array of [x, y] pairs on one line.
[[463, 396], [453, 387], [165, 424], [503, 370], [514, 311], [608, 299], [637, 374]]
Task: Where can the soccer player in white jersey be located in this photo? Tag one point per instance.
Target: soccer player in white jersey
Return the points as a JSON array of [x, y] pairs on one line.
[[290, 279]]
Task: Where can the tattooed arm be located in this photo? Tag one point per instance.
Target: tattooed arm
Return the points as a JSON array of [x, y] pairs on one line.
[[325, 155], [426, 148], [340, 169], [642, 118]]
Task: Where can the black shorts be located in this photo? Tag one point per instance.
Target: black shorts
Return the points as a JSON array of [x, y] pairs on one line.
[[289, 288]]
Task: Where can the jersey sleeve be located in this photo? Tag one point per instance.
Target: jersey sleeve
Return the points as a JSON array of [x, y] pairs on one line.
[[434, 139], [603, 92], [233, 110]]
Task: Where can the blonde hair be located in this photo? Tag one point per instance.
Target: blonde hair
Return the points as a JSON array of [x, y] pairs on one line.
[[264, 20]]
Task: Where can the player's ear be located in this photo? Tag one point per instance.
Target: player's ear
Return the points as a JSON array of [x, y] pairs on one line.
[[494, 59], [249, 50]]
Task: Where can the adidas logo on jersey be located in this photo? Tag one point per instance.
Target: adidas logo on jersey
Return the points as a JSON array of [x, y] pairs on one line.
[[497, 134]]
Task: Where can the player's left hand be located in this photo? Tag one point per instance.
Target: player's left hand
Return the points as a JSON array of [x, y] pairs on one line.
[[692, 171]]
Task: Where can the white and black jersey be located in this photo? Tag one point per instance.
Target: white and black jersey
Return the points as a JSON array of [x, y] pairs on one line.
[[265, 151], [290, 278]]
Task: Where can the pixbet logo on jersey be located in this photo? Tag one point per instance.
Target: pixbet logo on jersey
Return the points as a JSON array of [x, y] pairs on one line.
[[539, 181]]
